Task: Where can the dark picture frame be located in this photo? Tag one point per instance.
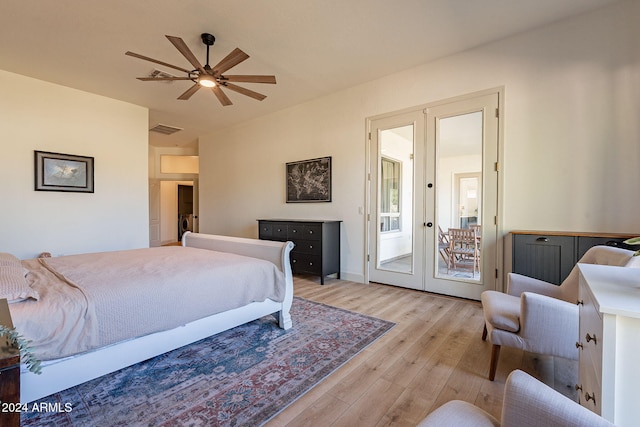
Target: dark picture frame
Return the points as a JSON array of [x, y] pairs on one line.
[[63, 172], [309, 180]]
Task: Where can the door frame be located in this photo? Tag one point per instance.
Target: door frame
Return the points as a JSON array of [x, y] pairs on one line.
[[500, 282]]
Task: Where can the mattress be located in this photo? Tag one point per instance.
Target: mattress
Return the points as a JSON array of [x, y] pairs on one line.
[[92, 300]]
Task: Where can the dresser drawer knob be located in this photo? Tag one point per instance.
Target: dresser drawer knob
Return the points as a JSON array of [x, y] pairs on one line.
[[310, 263], [590, 338], [310, 246], [310, 231], [579, 345], [591, 396], [295, 231]]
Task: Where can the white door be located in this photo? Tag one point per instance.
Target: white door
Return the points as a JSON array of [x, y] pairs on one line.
[[462, 141], [396, 170], [432, 172]]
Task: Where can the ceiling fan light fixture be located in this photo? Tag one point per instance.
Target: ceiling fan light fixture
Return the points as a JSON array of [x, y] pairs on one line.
[[206, 81]]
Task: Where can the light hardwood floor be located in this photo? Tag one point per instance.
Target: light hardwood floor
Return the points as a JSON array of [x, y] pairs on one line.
[[434, 354]]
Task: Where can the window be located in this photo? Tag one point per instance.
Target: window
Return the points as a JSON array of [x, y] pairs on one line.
[[390, 195]]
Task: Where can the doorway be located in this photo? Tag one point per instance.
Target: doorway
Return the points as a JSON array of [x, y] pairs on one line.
[[432, 182], [185, 209]]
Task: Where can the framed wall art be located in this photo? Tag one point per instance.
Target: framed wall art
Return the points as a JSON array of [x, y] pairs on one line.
[[63, 172], [309, 181]]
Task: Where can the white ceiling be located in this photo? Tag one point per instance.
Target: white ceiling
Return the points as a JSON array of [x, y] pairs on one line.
[[314, 47]]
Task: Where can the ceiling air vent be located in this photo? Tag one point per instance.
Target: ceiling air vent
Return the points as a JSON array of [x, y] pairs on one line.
[[165, 129]]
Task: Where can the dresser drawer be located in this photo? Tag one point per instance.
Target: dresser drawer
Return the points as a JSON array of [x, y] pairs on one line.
[[305, 231], [591, 331], [265, 231], [305, 263], [279, 231], [312, 247], [589, 390]]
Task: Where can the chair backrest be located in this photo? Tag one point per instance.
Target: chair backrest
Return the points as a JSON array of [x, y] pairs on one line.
[[442, 236], [601, 255], [530, 403], [462, 237]]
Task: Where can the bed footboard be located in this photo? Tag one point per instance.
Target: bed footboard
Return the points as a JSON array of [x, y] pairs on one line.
[[275, 252]]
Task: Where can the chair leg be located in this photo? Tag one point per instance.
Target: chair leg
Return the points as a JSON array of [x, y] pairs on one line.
[[495, 354], [484, 333]]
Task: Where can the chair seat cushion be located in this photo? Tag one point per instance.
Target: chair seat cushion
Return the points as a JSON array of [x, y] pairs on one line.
[[501, 311], [456, 413]]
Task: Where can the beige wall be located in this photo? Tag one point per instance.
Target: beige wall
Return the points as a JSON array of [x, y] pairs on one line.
[[35, 115], [571, 142]]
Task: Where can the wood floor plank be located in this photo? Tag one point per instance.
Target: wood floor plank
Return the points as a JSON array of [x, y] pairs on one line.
[[371, 406], [434, 353]]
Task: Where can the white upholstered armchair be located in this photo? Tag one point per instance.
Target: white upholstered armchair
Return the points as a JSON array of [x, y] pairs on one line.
[[527, 403], [540, 317]]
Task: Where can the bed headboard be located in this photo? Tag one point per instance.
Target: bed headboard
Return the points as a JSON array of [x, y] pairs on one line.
[[275, 252]]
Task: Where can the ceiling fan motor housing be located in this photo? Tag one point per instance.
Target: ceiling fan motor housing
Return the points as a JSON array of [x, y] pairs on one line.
[[208, 39]]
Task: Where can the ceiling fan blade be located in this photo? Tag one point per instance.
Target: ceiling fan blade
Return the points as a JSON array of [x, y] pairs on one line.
[[146, 58], [251, 79], [186, 52], [224, 99], [150, 79], [231, 60], [187, 94], [250, 93]]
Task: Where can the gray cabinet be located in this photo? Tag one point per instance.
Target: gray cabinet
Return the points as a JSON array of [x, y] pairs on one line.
[[317, 243], [550, 256]]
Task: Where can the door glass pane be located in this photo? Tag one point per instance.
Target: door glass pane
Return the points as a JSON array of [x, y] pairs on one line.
[[395, 200], [459, 197]]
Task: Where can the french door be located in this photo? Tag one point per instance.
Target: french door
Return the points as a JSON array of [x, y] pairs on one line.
[[433, 196], [396, 174]]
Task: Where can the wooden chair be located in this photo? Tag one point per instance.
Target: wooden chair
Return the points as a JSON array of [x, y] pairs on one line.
[[443, 244], [463, 246]]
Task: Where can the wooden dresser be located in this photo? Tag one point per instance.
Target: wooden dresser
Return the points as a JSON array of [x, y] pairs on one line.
[[317, 243], [609, 342]]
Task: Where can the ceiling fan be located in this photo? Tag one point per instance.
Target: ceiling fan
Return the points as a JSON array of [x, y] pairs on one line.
[[207, 76]]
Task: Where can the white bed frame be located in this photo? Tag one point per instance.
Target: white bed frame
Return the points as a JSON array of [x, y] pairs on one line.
[[68, 372]]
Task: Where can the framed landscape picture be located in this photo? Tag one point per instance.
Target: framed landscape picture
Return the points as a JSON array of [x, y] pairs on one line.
[[63, 172], [309, 181]]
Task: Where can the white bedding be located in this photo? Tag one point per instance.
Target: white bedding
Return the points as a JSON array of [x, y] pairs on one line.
[[92, 300]]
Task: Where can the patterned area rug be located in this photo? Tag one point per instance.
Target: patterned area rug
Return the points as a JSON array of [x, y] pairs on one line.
[[241, 377]]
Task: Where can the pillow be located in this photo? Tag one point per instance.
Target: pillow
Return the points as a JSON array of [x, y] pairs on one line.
[[13, 285], [8, 259]]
